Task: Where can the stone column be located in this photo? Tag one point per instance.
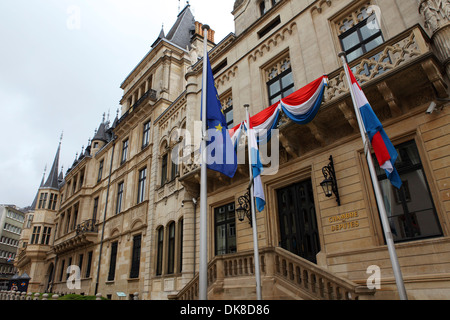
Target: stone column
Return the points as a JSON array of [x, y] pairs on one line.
[[436, 14]]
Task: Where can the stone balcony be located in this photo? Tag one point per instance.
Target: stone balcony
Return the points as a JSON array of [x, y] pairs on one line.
[[84, 233]]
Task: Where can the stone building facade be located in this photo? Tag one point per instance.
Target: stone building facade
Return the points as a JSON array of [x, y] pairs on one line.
[[128, 215]]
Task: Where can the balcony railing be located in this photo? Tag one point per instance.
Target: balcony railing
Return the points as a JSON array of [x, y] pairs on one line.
[[86, 226], [389, 56], [306, 277]]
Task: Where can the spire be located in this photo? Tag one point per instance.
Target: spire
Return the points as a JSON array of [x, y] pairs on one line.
[[52, 179], [33, 205]]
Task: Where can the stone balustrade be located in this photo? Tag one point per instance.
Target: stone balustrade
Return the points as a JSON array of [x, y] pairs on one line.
[[17, 295]]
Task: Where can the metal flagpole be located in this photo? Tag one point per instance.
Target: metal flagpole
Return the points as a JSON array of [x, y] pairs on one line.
[[252, 201], [384, 219], [203, 267]]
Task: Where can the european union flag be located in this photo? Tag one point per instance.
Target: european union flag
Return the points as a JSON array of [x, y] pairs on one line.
[[221, 154]]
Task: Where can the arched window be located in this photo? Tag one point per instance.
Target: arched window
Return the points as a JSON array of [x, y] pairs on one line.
[[160, 247], [171, 249]]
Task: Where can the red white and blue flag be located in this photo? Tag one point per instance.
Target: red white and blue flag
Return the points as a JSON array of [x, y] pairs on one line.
[[385, 151]]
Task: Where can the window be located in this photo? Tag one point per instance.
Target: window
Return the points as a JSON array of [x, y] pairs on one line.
[[146, 135], [89, 263], [180, 246], [80, 261], [160, 247], [171, 249], [136, 257], [46, 235], [269, 27], [164, 169], [124, 151], [357, 38], [52, 201], [225, 229], [75, 217], [141, 185], [35, 235], [174, 168], [411, 211], [42, 200], [62, 270], [280, 86], [112, 261], [68, 265], [119, 197], [94, 213], [29, 221], [100, 171]]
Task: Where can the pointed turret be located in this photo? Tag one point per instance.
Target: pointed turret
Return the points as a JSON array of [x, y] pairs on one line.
[[52, 179], [33, 205]]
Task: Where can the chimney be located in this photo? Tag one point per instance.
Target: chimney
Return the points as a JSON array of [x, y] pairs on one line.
[[199, 31]]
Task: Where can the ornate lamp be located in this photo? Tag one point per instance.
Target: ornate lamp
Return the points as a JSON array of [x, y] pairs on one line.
[[244, 207], [329, 185]]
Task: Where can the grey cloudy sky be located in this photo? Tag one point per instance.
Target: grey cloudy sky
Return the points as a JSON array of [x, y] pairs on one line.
[[61, 66]]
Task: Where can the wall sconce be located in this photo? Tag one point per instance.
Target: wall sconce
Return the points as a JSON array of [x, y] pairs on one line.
[[329, 185], [244, 209]]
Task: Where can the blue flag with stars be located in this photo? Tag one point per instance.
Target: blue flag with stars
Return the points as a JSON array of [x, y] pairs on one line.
[[220, 150]]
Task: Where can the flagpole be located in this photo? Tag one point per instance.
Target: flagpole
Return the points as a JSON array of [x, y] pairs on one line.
[[203, 264], [378, 195], [252, 201]]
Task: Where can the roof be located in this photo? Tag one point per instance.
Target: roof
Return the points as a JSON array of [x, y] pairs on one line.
[[182, 30], [52, 180]]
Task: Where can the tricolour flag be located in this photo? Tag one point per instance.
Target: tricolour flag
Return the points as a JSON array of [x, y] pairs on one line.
[[257, 169], [221, 154], [385, 151]]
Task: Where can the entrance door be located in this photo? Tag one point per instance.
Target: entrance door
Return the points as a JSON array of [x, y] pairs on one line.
[[298, 224]]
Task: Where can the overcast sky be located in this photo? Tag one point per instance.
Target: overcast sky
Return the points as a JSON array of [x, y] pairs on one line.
[[61, 66]]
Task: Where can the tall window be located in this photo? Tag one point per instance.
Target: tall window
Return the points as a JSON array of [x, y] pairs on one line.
[[159, 254], [280, 86], [227, 109], [141, 185], [80, 261], [61, 273], [136, 257], [100, 171], [171, 249], [358, 39], [180, 246], [94, 212], [42, 200], [52, 201], [89, 263], [164, 169], [112, 261], [119, 197], [146, 135], [35, 235], [411, 211], [225, 229], [124, 151], [46, 235]]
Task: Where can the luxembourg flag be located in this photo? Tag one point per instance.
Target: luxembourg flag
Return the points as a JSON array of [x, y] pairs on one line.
[[257, 169], [385, 151]]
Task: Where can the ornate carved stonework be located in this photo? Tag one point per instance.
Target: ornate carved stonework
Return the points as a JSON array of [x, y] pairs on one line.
[[436, 13]]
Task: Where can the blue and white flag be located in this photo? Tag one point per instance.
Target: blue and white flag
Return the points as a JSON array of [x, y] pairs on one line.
[[257, 169]]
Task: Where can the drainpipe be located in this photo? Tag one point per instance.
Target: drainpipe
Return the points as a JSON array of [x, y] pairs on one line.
[[194, 202], [104, 216]]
